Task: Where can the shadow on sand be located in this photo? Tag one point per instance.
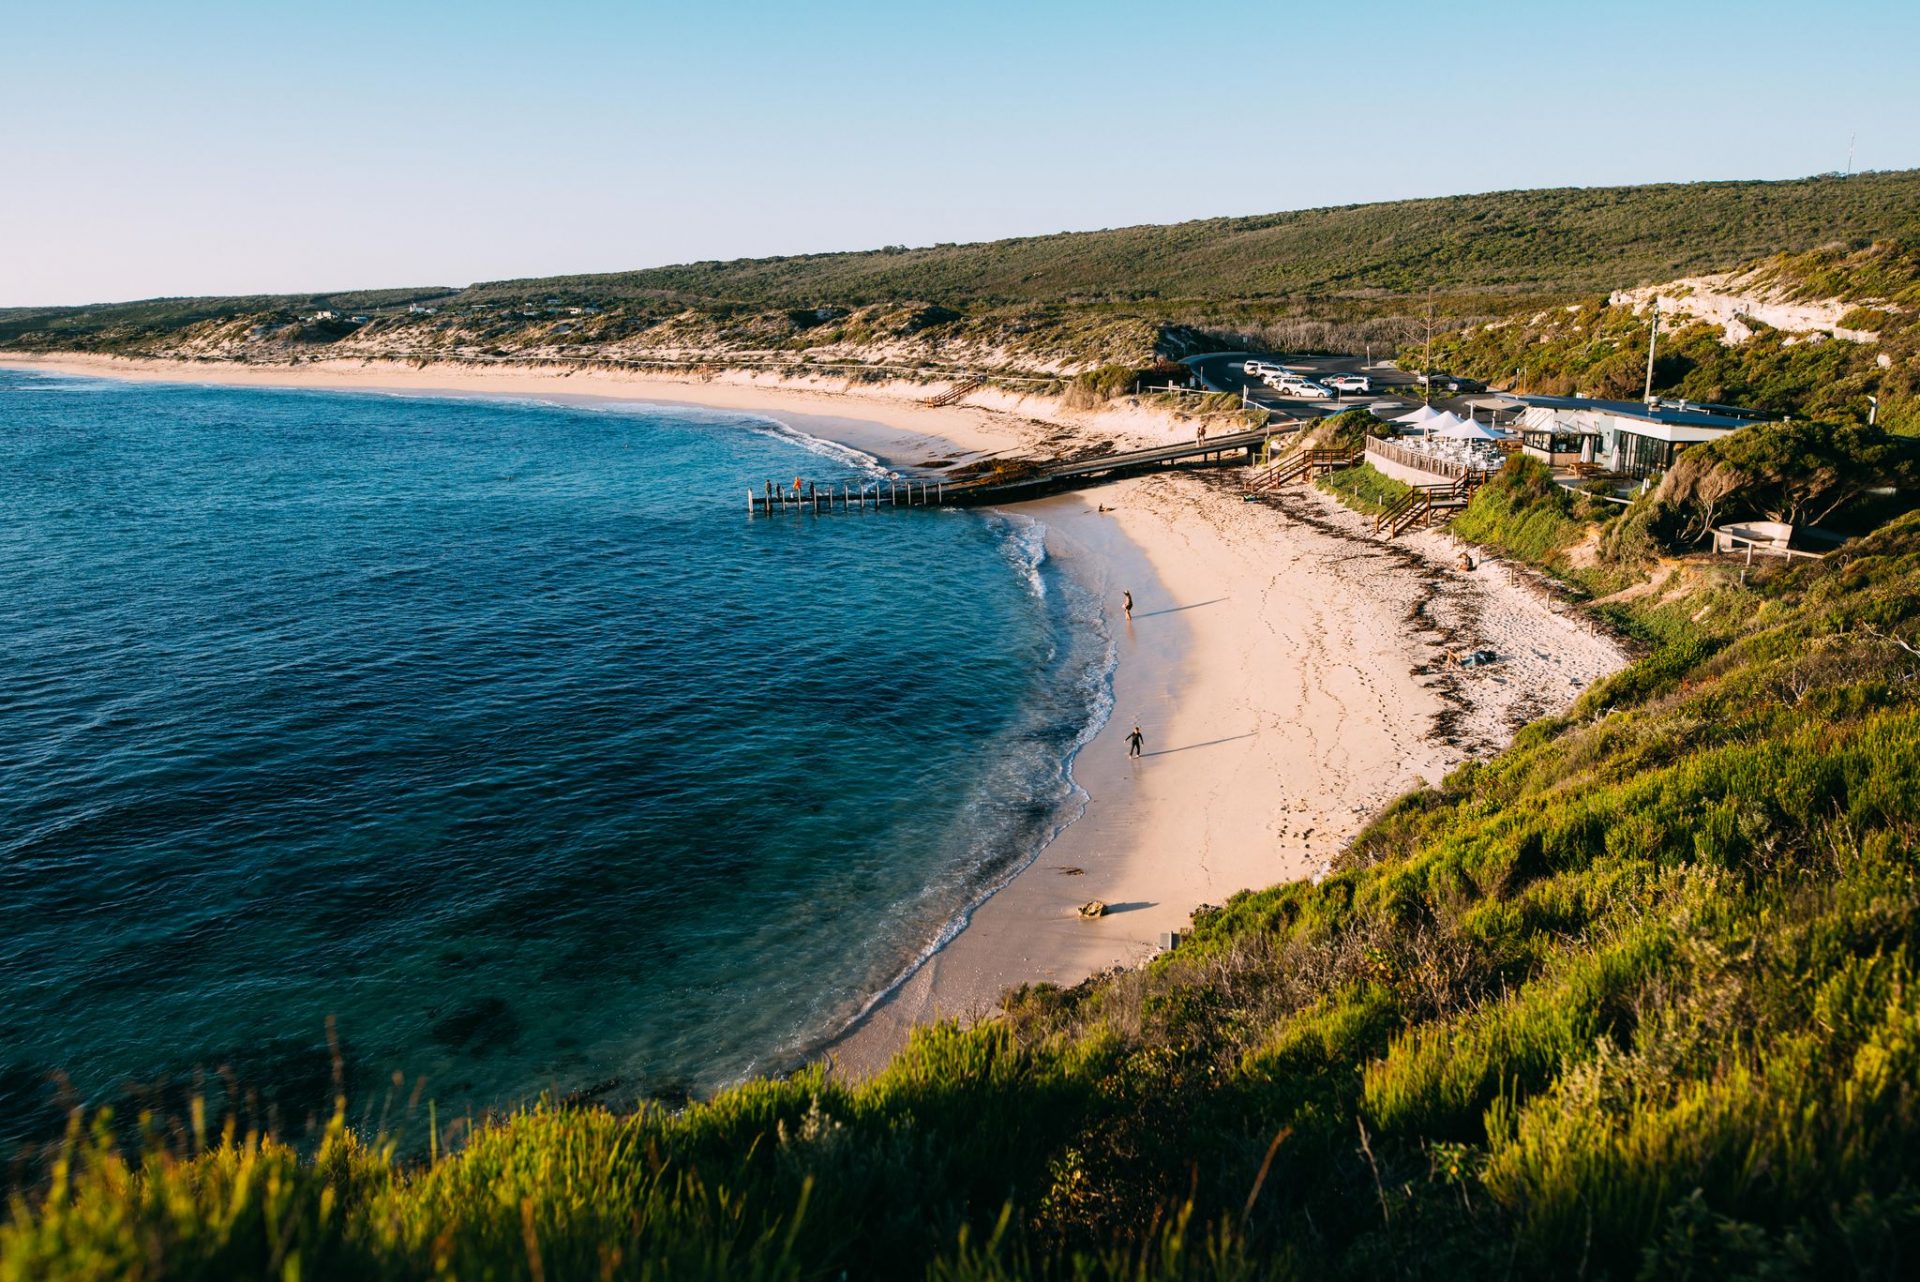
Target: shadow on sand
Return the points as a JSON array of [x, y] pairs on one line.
[[1190, 747], [1175, 609]]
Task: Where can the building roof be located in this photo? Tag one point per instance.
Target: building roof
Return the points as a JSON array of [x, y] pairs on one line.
[[1676, 414], [1681, 432]]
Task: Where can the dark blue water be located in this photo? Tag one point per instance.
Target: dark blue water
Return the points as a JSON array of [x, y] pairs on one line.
[[496, 732]]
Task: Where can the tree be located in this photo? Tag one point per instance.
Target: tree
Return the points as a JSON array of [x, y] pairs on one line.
[[1799, 473]]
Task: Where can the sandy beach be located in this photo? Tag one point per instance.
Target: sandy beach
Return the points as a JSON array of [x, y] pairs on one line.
[[1283, 665]]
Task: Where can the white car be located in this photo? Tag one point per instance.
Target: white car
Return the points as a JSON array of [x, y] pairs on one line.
[[1280, 380], [1350, 383], [1310, 389], [1255, 368]]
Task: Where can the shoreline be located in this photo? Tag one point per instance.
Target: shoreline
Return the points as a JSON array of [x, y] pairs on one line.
[[1280, 665], [890, 414]]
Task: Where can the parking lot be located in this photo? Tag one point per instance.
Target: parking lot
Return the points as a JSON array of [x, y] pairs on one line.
[[1226, 372]]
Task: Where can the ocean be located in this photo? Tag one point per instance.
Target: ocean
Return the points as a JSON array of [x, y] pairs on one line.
[[464, 750]]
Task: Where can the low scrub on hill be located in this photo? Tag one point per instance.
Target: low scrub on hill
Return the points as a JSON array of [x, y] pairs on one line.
[[1341, 279], [1524, 513], [1594, 348], [1096, 387], [1800, 473], [1633, 998], [1347, 430]]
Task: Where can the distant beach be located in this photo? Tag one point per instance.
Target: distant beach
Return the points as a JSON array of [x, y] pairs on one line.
[[1283, 666]]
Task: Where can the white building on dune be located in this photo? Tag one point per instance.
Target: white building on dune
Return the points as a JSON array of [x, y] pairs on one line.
[[1630, 438]]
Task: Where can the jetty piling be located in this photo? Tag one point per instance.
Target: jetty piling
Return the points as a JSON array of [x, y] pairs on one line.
[[1231, 450]]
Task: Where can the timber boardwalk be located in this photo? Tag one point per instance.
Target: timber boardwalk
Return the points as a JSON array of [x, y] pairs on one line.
[[1233, 449]]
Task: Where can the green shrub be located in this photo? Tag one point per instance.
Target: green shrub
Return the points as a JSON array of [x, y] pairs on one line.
[[1522, 512], [1364, 489], [1098, 386]]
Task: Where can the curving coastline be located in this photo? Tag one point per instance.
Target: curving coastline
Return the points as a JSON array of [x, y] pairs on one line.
[[1280, 665]]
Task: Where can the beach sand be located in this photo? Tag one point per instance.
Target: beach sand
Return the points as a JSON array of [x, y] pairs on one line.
[[1283, 665], [990, 423], [1286, 671]]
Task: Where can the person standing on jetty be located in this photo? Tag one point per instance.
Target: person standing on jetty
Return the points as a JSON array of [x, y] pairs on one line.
[[1134, 741], [1126, 603]]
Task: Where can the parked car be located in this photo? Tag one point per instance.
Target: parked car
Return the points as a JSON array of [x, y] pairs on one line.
[[1280, 380], [1349, 383], [1312, 390], [1256, 368], [1450, 383]]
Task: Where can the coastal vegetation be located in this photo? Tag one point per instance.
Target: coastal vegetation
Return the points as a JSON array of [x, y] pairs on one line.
[[1524, 513], [1044, 306], [1364, 489], [1633, 998], [1598, 348], [1516, 243]]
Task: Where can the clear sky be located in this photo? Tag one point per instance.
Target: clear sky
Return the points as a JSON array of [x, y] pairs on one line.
[[152, 148]]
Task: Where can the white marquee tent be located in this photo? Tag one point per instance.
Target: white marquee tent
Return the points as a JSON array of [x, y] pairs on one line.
[[1460, 429]]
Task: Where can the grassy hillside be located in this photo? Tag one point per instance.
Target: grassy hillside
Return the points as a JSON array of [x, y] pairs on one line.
[[1596, 348], [1323, 277], [1528, 242], [1635, 998]]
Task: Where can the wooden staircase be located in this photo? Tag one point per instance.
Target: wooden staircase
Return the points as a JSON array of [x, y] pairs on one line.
[[957, 392], [1427, 504], [1305, 464]]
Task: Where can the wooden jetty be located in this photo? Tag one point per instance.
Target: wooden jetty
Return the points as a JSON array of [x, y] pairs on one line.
[[1233, 449]]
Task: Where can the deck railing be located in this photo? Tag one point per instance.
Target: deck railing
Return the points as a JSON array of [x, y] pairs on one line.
[[1422, 461]]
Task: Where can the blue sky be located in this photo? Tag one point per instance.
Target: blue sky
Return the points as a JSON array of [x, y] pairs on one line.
[[190, 147]]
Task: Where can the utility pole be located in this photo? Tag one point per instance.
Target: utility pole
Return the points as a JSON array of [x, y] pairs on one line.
[[1426, 362], [1652, 338], [1850, 138]]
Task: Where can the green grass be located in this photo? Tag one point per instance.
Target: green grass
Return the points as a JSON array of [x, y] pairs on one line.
[[1523, 513], [1364, 489]]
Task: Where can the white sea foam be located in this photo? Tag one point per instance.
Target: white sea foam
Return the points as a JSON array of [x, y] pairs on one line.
[[59, 381], [1092, 694], [1024, 546], [843, 454]]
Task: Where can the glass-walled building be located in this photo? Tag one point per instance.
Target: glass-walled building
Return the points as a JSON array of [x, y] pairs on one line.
[[1627, 438]]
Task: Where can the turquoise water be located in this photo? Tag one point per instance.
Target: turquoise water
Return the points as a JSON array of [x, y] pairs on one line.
[[494, 731]]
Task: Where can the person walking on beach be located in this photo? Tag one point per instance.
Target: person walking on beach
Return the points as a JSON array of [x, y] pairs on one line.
[[1133, 742], [1126, 603]]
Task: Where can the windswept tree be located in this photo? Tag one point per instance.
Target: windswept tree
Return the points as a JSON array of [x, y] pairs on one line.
[[1799, 473]]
